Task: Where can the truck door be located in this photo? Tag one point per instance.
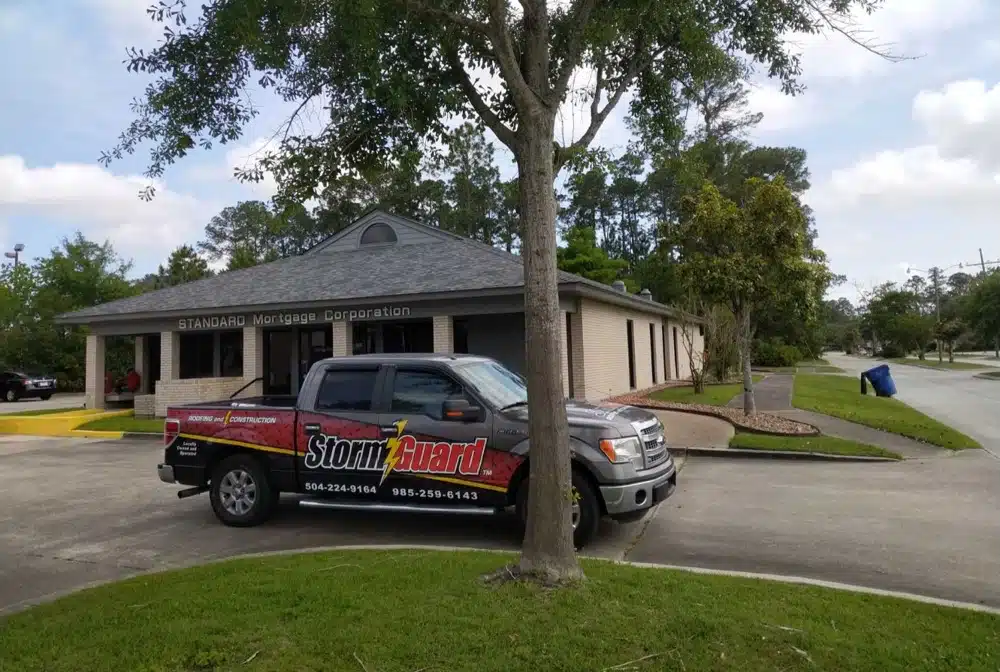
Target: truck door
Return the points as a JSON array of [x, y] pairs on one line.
[[432, 458], [339, 446]]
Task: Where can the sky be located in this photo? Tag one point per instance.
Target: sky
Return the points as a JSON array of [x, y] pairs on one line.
[[904, 156]]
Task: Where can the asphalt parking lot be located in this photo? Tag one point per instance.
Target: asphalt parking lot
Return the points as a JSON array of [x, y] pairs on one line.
[[76, 511]]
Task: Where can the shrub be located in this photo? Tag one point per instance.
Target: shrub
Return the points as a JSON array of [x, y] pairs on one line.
[[774, 352], [892, 351]]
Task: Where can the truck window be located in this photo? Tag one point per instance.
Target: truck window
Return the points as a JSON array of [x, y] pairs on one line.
[[347, 390], [422, 392]]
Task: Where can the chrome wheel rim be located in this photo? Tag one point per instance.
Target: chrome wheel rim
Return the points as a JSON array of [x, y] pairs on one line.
[[576, 512], [11, 396], [238, 492]]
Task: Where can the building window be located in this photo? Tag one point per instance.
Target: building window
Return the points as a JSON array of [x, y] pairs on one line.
[[677, 363], [231, 354], [652, 349], [630, 331], [197, 355], [347, 390], [379, 233], [701, 329]]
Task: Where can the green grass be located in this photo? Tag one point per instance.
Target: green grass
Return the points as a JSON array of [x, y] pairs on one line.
[[840, 396], [933, 363], [125, 423], [815, 362], [714, 395], [45, 411], [829, 445], [421, 610]]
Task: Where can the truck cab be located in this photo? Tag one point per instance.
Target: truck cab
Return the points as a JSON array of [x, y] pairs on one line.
[[434, 433]]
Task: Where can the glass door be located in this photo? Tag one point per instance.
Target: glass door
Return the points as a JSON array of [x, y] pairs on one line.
[[315, 344], [278, 353]]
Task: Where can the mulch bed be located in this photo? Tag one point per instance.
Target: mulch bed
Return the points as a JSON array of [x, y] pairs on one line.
[[761, 423]]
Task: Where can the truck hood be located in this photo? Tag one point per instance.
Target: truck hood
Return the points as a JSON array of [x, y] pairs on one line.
[[586, 414]]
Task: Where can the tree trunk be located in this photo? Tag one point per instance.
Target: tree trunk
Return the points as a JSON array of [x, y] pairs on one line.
[[996, 346], [746, 342], [548, 551], [951, 352]]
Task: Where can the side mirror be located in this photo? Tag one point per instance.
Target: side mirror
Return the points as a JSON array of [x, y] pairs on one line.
[[459, 410]]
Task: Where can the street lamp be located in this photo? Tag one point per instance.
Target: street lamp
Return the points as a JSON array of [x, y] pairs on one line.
[[15, 254]]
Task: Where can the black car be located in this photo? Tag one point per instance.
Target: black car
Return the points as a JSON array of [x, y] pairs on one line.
[[15, 385]]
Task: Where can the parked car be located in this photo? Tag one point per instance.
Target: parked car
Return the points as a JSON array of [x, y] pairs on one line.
[[434, 433], [15, 385]]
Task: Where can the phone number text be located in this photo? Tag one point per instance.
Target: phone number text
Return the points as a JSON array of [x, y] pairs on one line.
[[342, 487], [422, 493]]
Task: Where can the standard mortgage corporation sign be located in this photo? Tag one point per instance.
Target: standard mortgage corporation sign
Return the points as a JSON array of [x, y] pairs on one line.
[[292, 318]]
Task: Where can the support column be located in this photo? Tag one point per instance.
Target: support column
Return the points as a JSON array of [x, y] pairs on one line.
[[342, 339], [140, 364], [170, 356], [94, 371], [444, 335], [253, 360]]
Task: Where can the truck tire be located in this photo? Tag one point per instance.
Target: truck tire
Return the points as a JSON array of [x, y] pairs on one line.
[[241, 493], [586, 511]]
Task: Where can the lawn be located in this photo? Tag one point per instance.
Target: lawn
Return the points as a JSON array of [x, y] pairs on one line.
[[829, 445], [714, 395], [125, 423], [933, 363], [398, 611], [840, 396]]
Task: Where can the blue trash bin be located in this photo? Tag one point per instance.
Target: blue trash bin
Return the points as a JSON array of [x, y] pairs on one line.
[[881, 380]]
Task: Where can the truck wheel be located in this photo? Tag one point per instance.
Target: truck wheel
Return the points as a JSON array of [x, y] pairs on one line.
[[586, 509], [46, 397], [12, 395], [241, 493]]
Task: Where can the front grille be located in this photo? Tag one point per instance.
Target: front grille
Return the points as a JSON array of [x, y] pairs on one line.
[[653, 445]]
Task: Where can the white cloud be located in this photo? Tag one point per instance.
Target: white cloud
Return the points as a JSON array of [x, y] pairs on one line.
[[932, 204], [103, 206]]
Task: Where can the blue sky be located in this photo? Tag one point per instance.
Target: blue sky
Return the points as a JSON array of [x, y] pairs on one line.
[[905, 157]]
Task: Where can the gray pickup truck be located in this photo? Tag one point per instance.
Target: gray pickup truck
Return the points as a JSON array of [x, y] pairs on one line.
[[435, 433]]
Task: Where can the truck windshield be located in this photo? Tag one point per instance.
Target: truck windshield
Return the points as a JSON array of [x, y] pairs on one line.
[[498, 385]]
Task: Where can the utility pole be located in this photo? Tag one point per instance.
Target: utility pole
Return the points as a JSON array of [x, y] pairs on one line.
[[936, 278], [981, 261]]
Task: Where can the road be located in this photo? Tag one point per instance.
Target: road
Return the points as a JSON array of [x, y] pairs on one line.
[[58, 401], [75, 511], [957, 398]]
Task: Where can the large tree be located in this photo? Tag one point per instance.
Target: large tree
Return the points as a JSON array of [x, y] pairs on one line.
[[748, 255], [394, 73], [183, 265]]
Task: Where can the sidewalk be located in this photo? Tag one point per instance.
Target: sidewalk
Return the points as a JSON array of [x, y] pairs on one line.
[[773, 393]]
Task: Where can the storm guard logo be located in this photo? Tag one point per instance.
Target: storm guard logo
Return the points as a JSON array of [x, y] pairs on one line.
[[403, 455]]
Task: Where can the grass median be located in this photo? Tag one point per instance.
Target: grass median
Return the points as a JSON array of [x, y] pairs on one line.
[[402, 611], [125, 423], [714, 394], [840, 396], [828, 445], [933, 363]]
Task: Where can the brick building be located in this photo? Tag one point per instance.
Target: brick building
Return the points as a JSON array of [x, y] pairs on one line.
[[384, 284]]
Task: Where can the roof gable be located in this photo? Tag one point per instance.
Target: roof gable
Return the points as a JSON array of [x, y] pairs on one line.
[[407, 232]]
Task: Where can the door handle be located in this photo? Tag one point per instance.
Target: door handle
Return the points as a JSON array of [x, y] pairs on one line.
[[389, 430], [312, 429]]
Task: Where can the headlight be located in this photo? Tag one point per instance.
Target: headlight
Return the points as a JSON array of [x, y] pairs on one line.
[[627, 449]]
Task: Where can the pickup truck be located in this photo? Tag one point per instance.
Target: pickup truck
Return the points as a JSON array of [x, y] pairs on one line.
[[436, 433]]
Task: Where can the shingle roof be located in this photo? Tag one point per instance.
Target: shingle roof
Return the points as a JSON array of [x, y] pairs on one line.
[[377, 273]]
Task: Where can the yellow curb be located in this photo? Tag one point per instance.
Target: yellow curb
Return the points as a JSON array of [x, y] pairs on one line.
[[57, 424]]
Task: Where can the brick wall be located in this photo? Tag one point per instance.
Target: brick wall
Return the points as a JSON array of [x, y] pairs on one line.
[[253, 360], [192, 390], [604, 340], [145, 405], [341, 340], [698, 346], [444, 336]]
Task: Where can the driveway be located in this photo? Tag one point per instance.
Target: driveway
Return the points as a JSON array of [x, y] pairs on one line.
[[957, 398], [74, 511], [27, 405], [927, 526]]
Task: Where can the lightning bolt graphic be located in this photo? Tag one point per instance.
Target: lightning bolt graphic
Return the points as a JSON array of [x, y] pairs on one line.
[[225, 420], [393, 445]]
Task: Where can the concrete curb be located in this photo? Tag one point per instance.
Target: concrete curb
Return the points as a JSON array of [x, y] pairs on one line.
[[845, 587], [984, 376], [146, 436], [749, 453]]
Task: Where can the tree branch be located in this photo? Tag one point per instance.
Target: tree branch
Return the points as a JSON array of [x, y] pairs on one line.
[[489, 117], [580, 12], [837, 27], [524, 96], [598, 114], [453, 17]]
